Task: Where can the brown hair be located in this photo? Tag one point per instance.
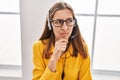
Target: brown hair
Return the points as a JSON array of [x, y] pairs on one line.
[[77, 41]]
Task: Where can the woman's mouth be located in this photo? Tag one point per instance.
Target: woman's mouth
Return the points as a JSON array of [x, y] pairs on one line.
[[64, 34]]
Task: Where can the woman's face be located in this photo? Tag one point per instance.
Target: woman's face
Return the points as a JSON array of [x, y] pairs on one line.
[[64, 18]]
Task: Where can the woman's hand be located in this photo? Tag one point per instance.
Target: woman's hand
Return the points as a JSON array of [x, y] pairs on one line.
[[60, 47]]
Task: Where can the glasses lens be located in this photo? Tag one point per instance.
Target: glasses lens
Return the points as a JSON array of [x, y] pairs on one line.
[[57, 23], [70, 22]]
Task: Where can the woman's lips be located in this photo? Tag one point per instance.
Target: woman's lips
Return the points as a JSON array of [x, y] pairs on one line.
[[64, 34]]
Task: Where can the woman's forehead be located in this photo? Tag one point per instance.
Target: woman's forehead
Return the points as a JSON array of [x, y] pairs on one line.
[[63, 14]]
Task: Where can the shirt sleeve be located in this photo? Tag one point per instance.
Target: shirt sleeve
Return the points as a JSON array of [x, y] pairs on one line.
[[85, 71], [41, 71]]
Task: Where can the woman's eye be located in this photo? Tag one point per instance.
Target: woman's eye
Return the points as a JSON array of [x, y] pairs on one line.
[[60, 21], [70, 20], [57, 22]]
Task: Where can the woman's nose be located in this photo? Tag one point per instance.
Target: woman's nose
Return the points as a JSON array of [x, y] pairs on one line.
[[64, 26]]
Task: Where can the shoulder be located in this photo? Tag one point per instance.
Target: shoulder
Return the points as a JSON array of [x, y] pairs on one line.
[[37, 43], [38, 47], [40, 43]]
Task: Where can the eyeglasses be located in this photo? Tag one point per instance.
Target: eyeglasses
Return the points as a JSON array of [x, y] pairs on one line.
[[59, 22]]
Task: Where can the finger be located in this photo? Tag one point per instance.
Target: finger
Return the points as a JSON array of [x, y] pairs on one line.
[[63, 40], [63, 49], [60, 43]]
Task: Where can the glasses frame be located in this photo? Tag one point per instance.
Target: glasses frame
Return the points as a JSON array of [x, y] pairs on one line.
[[66, 21]]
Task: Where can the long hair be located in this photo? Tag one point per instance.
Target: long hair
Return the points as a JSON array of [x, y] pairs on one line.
[[77, 42]]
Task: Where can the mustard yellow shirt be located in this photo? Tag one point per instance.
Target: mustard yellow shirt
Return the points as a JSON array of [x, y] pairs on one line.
[[76, 68]]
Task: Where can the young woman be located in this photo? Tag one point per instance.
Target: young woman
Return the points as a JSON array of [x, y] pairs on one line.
[[61, 53]]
